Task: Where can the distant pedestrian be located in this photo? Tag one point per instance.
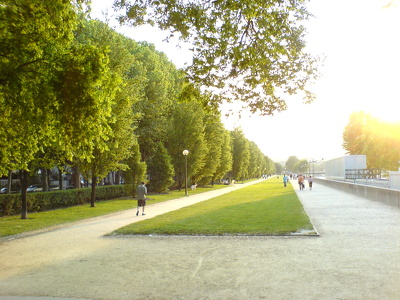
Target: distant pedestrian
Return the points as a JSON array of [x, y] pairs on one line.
[[141, 193], [300, 180], [285, 180], [310, 181]]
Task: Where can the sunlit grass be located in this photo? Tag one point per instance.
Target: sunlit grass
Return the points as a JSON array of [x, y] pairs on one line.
[[266, 208], [15, 225]]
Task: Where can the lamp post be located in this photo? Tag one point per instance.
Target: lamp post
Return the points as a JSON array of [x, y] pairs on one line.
[[185, 153], [312, 161]]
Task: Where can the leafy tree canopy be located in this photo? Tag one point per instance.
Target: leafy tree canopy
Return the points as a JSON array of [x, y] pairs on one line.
[[248, 50], [378, 140], [289, 165]]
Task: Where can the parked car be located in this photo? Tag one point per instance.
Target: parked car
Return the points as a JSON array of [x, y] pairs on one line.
[[34, 188], [4, 191], [54, 187]]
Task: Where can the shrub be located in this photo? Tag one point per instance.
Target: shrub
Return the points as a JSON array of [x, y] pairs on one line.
[[43, 201]]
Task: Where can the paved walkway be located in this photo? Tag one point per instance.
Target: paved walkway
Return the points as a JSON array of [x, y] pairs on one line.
[[357, 256]]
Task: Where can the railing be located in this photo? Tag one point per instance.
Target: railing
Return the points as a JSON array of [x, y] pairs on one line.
[[363, 174]]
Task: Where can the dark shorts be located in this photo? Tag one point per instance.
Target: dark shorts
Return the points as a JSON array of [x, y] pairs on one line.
[[141, 202]]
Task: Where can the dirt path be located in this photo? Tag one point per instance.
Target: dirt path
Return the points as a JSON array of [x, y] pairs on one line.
[[356, 257]]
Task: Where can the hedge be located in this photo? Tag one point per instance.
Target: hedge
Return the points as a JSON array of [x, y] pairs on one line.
[[10, 204]]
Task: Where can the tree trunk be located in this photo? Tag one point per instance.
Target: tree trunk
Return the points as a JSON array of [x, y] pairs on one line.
[[93, 194], [49, 178], [117, 177], [24, 186], [45, 181], [60, 181], [76, 177], [9, 182]]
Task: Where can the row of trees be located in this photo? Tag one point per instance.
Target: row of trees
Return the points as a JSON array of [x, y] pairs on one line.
[[378, 140], [302, 166], [75, 92]]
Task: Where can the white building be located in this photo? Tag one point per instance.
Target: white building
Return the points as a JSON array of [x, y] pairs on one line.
[[336, 168]]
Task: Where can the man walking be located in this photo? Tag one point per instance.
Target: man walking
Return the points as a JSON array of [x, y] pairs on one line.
[[141, 193], [300, 180], [310, 181], [285, 180]]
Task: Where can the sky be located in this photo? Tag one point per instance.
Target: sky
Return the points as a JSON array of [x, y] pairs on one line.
[[359, 40]]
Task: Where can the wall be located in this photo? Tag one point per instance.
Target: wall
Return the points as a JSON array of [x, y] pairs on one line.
[[336, 168], [387, 196], [394, 180]]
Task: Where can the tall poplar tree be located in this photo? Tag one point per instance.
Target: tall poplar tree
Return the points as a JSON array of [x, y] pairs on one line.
[[241, 155], [35, 36], [160, 169], [224, 165], [187, 133]]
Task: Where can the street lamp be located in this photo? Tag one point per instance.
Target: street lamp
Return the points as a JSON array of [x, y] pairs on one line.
[[312, 161], [185, 153]]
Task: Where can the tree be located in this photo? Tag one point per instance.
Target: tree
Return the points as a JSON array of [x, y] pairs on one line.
[[225, 163], [159, 90], [34, 38], [117, 96], [354, 133], [160, 169], [214, 137], [136, 171], [289, 165], [245, 50], [241, 155], [257, 161], [272, 167], [378, 140], [278, 168], [301, 166], [187, 132]]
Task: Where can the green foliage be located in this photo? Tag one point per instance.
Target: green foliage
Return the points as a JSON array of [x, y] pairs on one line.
[[86, 105], [354, 133], [160, 170], [378, 140], [302, 166], [112, 145], [224, 165], [75, 92], [34, 36], [136, 171], [245, 49], [214, 136], [258, 163], [291, 161], [187, 132], [278, 168], [159, 91], [271, 166], [44, 201], [241, 155]]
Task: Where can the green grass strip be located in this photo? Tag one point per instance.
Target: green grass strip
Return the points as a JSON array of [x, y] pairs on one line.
[[266, 208], [35, 221]]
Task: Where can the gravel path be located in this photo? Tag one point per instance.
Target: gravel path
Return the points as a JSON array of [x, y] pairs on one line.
[[357, 256]]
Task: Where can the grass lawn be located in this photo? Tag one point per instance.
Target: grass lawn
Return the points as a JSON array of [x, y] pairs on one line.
[[266, 208], [15, 225]]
